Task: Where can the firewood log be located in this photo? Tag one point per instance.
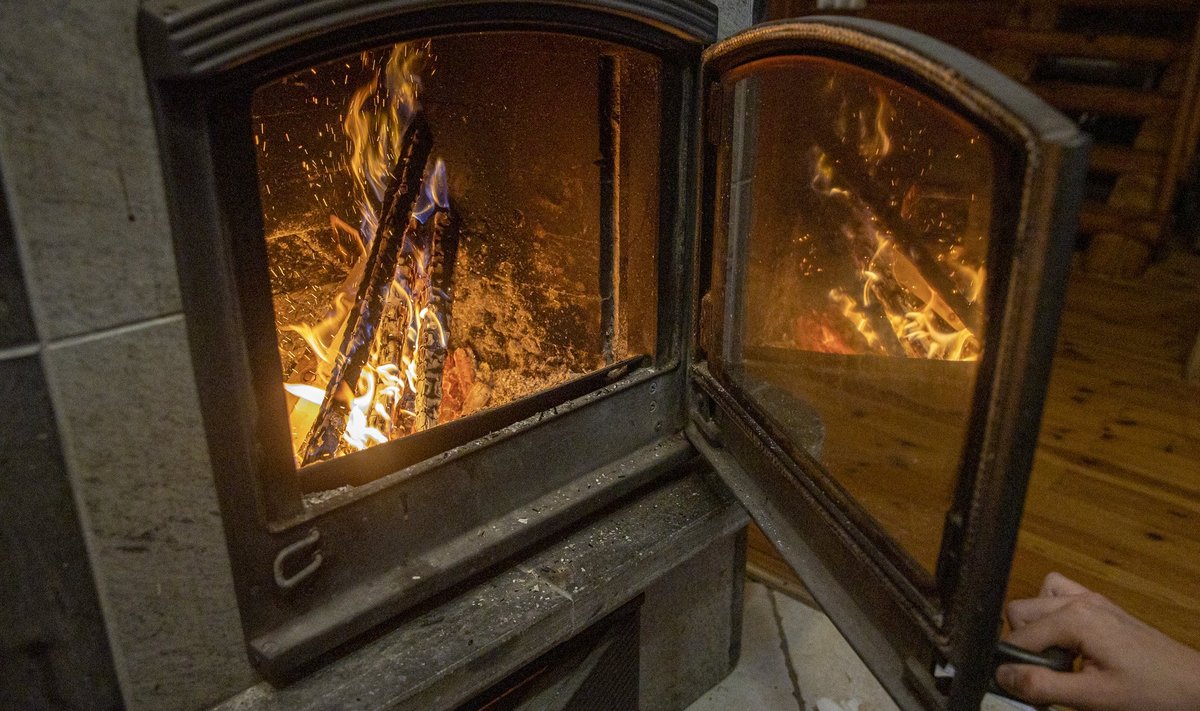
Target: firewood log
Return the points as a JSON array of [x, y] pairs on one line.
[[395, 223], [431, 352], [853, 175]]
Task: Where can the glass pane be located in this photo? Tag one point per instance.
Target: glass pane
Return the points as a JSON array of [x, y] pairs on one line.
[[524, 255], [856, 217]]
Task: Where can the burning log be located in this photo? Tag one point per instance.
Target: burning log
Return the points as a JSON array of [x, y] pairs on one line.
[[888, 339], [395, 226], [434, 344], [392, 340], [853, 263]]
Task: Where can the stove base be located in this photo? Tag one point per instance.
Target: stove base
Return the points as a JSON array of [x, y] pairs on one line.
[[679, 546]]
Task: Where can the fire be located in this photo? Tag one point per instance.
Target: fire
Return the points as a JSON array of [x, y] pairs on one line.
[[896, 308], [874, 138], [391, 397]]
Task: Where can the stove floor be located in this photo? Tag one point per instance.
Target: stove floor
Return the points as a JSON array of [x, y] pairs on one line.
[[793, 659]]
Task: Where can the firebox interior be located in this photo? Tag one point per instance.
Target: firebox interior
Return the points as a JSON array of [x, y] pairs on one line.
[[526, 257], [856, 235]]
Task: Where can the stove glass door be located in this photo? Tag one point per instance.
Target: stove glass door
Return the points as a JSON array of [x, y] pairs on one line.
[[865, 358]]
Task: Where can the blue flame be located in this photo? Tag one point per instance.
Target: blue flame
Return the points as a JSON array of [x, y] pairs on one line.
[[435, 193]]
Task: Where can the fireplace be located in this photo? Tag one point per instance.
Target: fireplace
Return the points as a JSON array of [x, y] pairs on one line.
[[494, 307], [438, 243]]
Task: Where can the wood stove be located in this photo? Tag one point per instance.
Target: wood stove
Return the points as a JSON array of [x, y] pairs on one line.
[[465, 280]]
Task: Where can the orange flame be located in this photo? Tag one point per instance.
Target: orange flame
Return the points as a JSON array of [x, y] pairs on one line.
[[374, 124], [919, 317]]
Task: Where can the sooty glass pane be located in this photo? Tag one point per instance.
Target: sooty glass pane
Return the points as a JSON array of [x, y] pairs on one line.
[[858, 215], [454, 224]]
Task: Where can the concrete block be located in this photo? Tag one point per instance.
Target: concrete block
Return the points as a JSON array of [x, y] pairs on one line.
[[52, 636]]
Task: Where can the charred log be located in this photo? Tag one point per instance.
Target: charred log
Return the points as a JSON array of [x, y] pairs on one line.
[[395, 226], [391, 339], [434, 345]]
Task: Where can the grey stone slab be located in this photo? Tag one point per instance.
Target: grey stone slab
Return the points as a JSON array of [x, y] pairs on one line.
[[686, 627], [78, 145], [16, 323], [137, 453], [52, 640]]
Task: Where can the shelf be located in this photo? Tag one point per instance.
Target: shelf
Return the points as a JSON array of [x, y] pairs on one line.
[[1141, 226], [1122, 159], [1105, 99], [1117, 47]]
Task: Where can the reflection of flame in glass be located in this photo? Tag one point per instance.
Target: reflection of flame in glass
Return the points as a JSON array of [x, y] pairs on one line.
[[874, 139], [890, 282], [381, 408]]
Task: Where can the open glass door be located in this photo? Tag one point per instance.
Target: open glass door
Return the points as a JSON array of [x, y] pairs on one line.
[[889, 222]]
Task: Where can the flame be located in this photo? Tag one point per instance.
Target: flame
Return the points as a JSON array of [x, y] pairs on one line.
[[434, 194], [380, 405], [375, 122], [853, 313], [889, 282], [875, 141], [822, 180]]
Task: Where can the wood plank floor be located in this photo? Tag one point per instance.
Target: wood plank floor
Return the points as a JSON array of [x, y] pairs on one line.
[[1114, 498]]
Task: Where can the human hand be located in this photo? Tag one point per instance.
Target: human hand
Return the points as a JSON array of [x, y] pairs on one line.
[[1126, 664]]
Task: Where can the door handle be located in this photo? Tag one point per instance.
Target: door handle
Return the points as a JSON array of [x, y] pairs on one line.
[[1054, 658], [287, 582]]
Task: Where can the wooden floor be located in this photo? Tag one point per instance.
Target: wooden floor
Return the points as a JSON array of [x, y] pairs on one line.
[[1114, 499]]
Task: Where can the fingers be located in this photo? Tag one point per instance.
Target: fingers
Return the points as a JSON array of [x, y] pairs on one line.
[[1023, 612], [1057, 590], [1059, 585], [1040, 686], [1065, 628]]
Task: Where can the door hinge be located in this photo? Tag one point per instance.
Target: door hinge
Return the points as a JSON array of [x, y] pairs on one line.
[[703, 412]]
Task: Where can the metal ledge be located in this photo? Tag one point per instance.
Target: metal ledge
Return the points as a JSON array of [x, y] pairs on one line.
[[373, 599]]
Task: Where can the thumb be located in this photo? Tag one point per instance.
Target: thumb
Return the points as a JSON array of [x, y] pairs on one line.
[[1040, 686]]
